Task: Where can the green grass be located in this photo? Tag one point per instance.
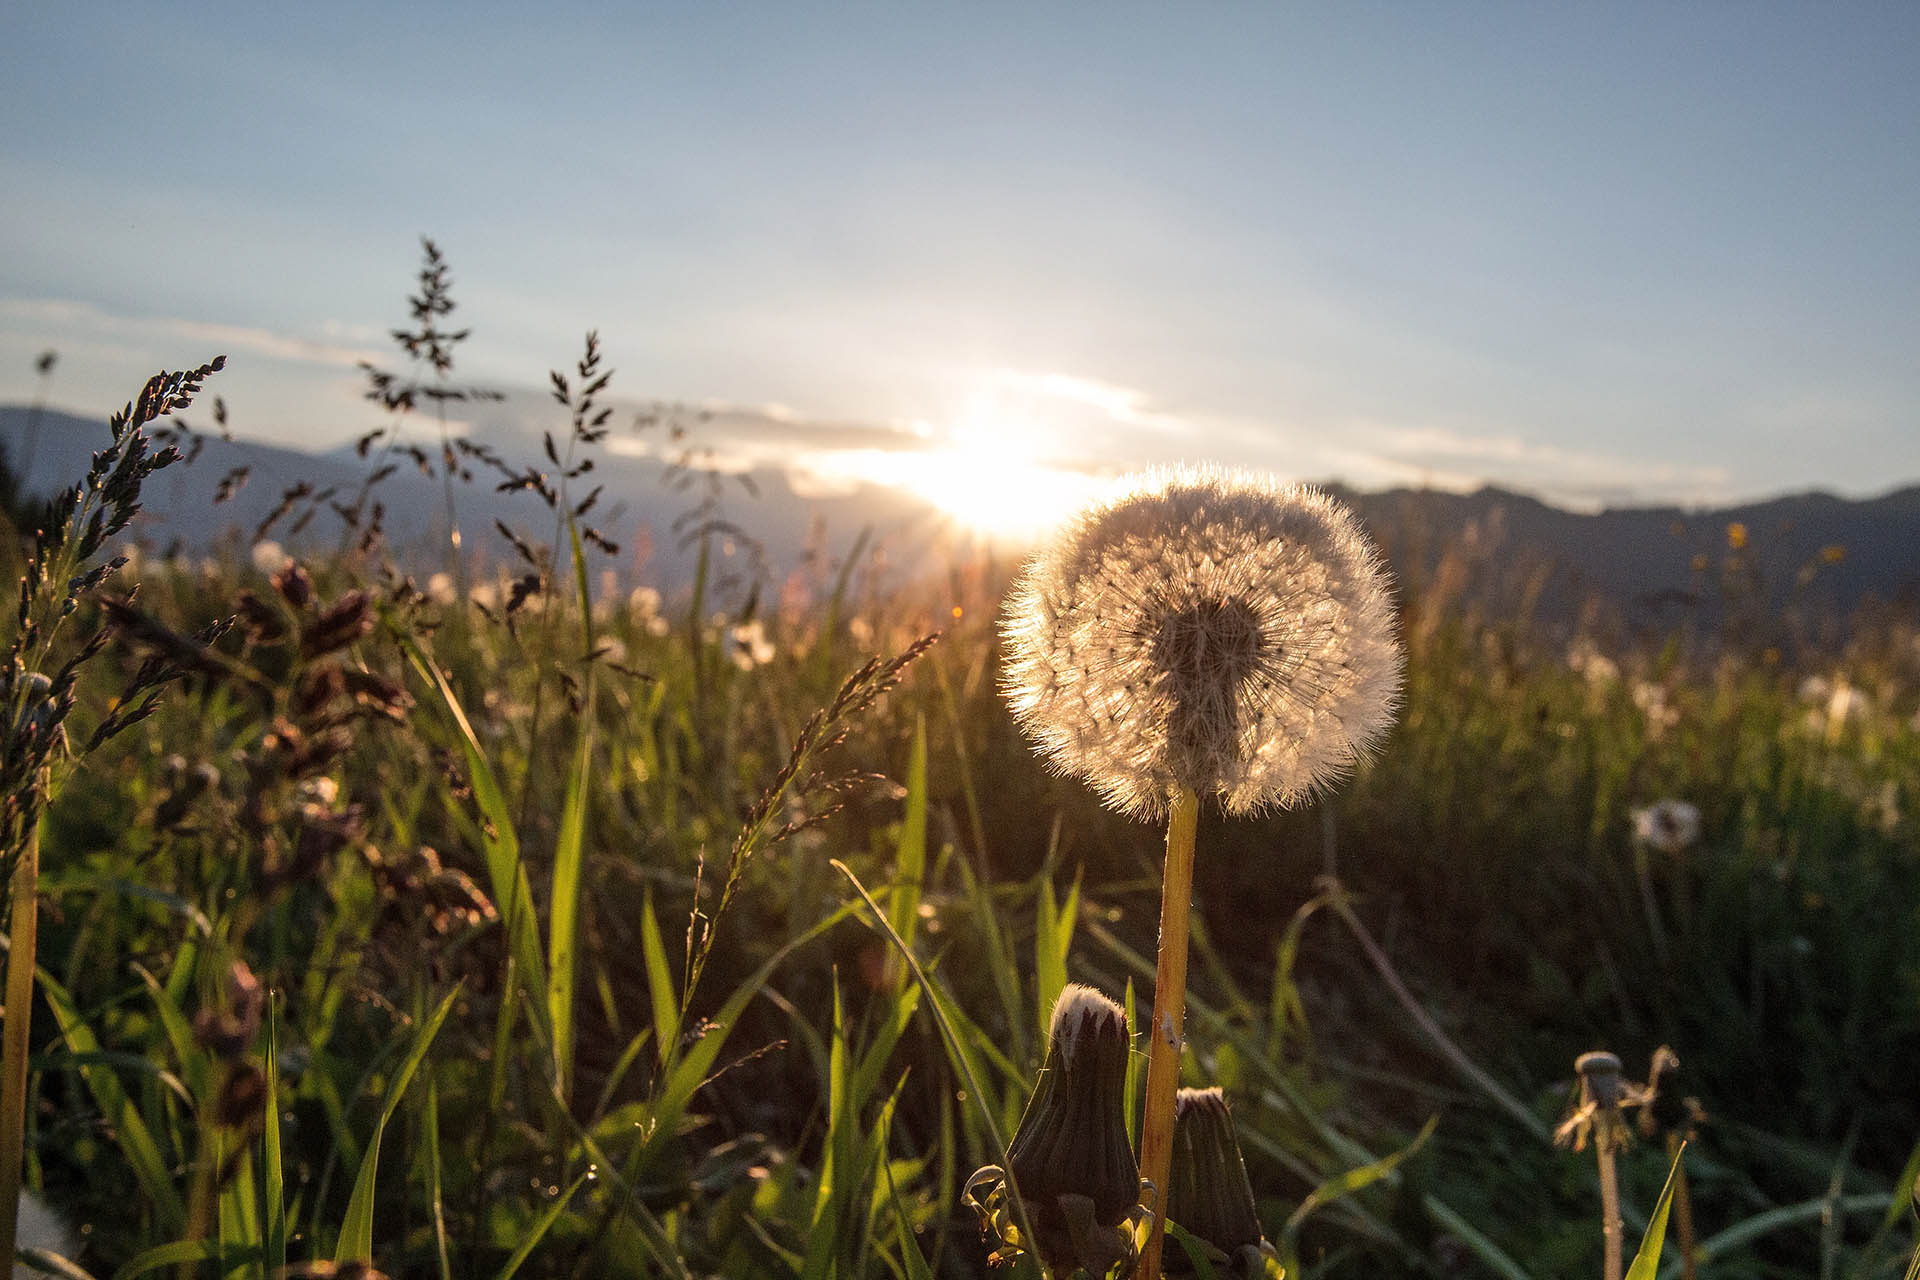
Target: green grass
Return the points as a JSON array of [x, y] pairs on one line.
[[677, 1042]]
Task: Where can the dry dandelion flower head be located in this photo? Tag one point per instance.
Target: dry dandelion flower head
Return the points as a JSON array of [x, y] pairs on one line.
[[1210, 629]]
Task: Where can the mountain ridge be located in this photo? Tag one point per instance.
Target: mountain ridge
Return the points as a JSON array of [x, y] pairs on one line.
[[1810, 555]]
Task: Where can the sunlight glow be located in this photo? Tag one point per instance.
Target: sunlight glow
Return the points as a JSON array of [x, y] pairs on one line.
[[1001, 466]]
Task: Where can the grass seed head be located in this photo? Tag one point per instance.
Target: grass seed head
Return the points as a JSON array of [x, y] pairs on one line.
[[1208, 628]]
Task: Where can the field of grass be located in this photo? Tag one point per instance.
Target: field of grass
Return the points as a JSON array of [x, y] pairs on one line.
[[567, 939]]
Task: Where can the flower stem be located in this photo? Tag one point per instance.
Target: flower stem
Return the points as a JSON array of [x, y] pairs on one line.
[[14, 1039], [1169, 1015], [1610, 1225]]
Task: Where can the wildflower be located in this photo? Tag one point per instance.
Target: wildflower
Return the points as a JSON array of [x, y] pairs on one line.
[[1210, 630], [1584, 658], [1070, 1161], [1652, 700], [750, 647], [440, 589], [1847, 705], [1205, 633], [1210, 1195], [1671, 826], [270, 557]]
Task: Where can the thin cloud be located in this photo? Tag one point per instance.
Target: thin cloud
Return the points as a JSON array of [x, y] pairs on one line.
[[55, 316], [1124, 405]]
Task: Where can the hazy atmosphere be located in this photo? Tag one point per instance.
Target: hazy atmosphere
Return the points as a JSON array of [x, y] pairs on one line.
[[945, 642]]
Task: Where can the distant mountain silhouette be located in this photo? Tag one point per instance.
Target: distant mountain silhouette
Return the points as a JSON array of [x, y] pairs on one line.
[[1785, 570], [637, 511]]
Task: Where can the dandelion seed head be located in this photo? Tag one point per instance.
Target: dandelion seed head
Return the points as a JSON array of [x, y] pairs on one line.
[[1206, 628], [1671, 826]]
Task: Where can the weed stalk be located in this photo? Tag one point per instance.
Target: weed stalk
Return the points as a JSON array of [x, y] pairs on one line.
[[14, 1039]]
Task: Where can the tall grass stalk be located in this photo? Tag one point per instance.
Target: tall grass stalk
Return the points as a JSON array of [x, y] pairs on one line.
[[14, 1039]]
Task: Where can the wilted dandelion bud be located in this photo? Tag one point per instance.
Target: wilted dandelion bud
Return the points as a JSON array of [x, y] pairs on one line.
[[1071, 1162], [1597, 1113], [1208, 629], [1599, 1077], [1210, 1196], [1663, 1108]]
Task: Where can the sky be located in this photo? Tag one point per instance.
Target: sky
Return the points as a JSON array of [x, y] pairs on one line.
[[1603, 253]]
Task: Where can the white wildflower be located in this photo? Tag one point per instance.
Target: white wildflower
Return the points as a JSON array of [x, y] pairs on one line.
[[1816, 689], [1584, 658], [1847, 705], [750, 647], [1671, 826], [1207, 629], [440, 589], [1661, 714], [270, 557]]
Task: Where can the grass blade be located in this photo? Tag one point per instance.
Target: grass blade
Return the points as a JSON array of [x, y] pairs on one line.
[[563, 913], [276, 1234], [506, 873], [356, 1229], [910, 862], [123, 1120], [666, 1003], [1341, 1186], [540, 1229], [1646, 1263]]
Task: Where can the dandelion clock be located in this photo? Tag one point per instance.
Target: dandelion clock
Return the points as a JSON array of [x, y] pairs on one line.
[[1204, 633]]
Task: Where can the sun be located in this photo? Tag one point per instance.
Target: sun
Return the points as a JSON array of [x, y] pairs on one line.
[[1001, 464], [996, 493]]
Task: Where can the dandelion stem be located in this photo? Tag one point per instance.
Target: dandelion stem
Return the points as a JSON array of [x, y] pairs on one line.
[[14, 1039], [1610, 1226], [1169, 1015]]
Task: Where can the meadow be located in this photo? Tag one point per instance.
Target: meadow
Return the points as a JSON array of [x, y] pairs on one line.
[[491, 923]]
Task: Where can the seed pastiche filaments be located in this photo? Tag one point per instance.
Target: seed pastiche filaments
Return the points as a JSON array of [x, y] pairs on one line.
[[1206, 629]]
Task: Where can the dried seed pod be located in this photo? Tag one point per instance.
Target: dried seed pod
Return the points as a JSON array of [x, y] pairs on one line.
[[338, 625], [243, 1097], [229, 1032]]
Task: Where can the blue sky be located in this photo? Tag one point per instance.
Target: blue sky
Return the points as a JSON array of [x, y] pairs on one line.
[[1605, 253]]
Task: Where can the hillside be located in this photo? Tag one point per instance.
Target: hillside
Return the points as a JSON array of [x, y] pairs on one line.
[[1805, 560]]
